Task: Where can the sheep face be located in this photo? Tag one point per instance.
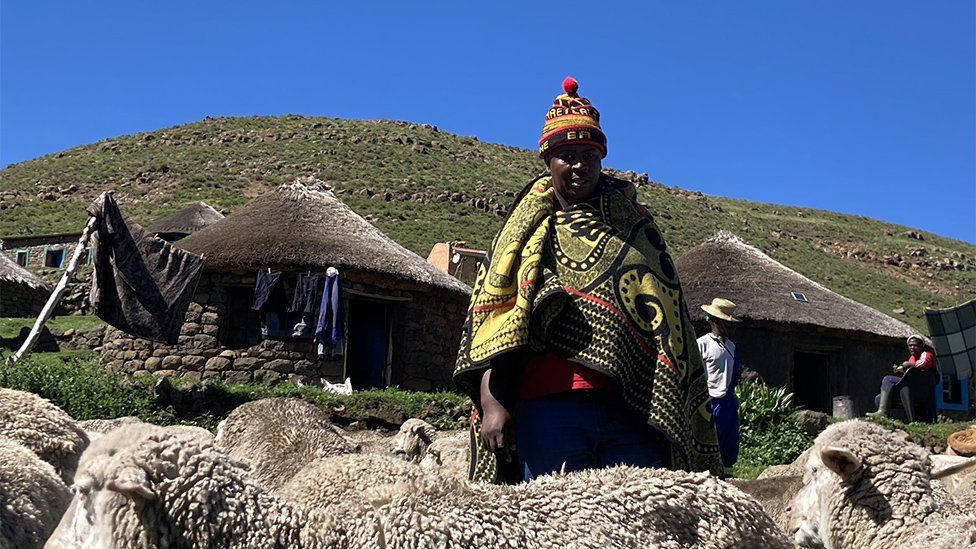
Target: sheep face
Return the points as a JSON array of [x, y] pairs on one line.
[[864, 486], [413, 439]]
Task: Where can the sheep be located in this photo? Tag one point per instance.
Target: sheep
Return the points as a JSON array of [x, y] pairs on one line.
[[449, 455], [774, 494], [347, 478], [32, 497], [865, 487], [143, 486], [278, 436], [95, 428], [43, 428], [412, 440], [171, 490]]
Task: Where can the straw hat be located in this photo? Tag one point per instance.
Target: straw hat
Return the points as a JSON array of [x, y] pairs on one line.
[[721, 308], [963, 443]]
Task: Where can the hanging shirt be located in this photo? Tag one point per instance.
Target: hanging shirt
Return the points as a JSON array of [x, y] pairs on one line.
[[718, 355]]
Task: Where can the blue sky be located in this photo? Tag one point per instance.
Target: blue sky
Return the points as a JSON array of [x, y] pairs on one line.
[[862, 107]]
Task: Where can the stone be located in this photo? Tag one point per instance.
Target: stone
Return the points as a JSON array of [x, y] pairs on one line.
[[218, 363], [165, 373], [153, 363], [306, 367], [210, 329], [209, 318], [812, 422], [228, 353], [248, 363], [191, 328], [267, 377], [281, 365], [193, 361], [171, 361], [234, 376], [191, 376]]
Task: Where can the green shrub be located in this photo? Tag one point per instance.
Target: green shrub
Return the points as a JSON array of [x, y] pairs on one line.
[[769, 433], [73, 381]]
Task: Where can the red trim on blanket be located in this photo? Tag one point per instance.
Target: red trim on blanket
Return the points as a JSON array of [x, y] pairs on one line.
[[637, 335]]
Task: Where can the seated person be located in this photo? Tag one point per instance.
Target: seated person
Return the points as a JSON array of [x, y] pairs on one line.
[[921, 356]]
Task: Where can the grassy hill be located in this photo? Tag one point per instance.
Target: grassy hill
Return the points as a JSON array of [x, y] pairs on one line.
[[422, 185]]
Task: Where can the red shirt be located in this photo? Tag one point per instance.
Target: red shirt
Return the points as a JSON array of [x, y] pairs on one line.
[[925, 361], [549, 374]]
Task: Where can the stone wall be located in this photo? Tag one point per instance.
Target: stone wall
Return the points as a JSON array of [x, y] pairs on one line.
[[221, 338], [21, 300], [75, 299]]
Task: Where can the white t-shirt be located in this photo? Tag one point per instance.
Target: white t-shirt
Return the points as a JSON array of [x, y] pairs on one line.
[[718, 354]]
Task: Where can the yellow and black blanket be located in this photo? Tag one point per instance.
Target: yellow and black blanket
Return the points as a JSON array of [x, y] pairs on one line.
[[593, 283]]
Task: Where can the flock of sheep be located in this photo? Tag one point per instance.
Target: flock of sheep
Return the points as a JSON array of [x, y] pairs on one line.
[[279, 474]]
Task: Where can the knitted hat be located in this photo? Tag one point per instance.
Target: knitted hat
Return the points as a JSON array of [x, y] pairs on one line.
[[572, 119]]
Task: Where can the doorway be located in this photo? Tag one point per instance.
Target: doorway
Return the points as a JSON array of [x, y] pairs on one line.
[[811, 381], [368, 343]]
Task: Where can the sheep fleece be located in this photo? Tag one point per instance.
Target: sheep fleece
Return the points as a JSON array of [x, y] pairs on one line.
[[32, 497], [44, 428]]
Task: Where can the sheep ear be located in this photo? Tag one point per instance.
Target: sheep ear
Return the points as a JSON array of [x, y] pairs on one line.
[[131, 482], [944, 466], [840, 461]]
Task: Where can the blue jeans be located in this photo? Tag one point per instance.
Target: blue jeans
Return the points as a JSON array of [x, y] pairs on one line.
[[578, 430], [725, 417]]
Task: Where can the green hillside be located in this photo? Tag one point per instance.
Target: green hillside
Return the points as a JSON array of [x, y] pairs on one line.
[[422, 185]]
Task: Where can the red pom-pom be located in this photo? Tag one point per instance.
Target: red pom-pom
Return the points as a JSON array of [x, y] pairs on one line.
[[570, 85]]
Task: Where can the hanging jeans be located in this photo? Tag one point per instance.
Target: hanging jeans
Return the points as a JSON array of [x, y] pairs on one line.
[[582, 429], [725, 417]]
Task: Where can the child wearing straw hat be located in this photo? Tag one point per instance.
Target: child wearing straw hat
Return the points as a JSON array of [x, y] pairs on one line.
[[723, 367]]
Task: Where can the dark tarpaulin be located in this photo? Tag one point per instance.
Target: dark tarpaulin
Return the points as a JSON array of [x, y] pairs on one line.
[[142, 284]]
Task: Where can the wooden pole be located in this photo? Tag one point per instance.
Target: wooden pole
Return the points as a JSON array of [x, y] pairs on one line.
[[52, 301]]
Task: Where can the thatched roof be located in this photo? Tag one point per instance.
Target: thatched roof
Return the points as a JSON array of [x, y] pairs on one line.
[[725, 266], [188, 220], [10, 271], [303, 226]]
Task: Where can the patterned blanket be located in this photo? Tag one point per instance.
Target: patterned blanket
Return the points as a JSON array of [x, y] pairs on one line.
[[594, 284], [954, 337]]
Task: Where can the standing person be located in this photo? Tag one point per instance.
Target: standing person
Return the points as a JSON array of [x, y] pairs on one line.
[[921, 356], [577, 351], [723, 367]]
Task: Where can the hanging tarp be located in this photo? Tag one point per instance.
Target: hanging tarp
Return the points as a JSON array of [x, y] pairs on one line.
[[953, 334]]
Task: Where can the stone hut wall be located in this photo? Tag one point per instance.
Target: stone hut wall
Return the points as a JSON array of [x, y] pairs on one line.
[[221, 338], [21, 300], [75, 299]]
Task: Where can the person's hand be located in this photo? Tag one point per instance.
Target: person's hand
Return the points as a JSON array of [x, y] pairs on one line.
[[496, 428]]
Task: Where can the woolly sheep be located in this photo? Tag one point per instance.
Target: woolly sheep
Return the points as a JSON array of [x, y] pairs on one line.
[[278, 436], [867, 487], [172, 490], [449, 455], [95, 428], [43, 428], [347, 478], [32, 497], [412, 440], [774, 494], [143, 487]]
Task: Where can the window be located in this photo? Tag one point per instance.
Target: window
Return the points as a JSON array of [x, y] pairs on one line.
[[952, 393], [54, 258], [799, 296], [22, 256], [85, 257]]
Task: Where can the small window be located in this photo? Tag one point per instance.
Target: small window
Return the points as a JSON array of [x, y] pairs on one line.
[[799, 297], [951, 389], [22, 256], [54, 258]]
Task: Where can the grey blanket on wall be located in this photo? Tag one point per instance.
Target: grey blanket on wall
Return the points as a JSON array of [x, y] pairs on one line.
[[142, 284], [953, 333]]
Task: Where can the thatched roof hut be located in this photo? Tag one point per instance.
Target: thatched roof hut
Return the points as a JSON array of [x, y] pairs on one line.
[[11, 272], [763, 289], [302, 226], [186, 221], [397, 319], [22, 293], [794, 332]]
